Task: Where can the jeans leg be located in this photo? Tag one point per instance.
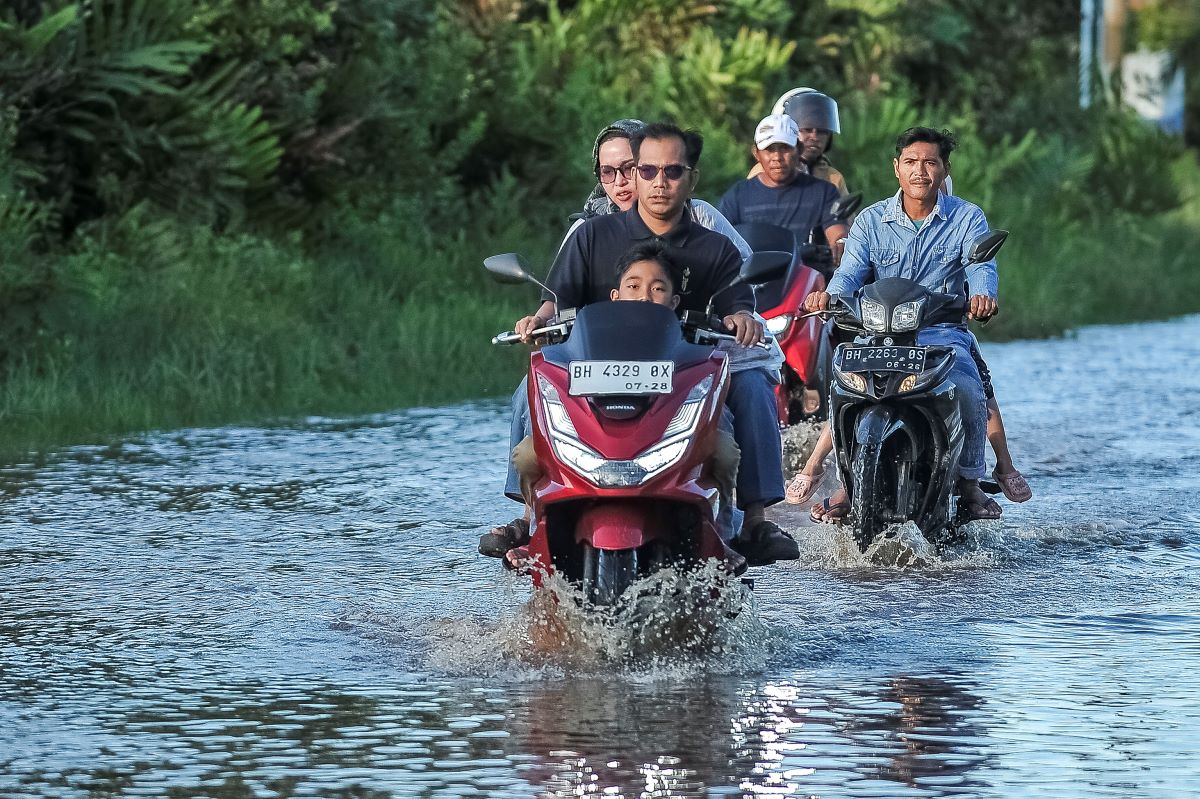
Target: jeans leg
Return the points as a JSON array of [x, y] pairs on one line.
[[729, 519], [518, 428], [971, 401], [756, 430]]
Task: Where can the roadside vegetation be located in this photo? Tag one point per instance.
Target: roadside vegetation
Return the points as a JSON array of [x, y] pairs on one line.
[[216, 211]]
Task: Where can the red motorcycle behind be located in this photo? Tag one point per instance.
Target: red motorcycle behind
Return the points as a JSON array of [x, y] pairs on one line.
[[807, 343], [625, 476]]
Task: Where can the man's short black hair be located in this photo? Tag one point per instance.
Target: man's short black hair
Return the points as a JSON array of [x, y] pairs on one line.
[[652, 250], [944, 139], [693, 142]]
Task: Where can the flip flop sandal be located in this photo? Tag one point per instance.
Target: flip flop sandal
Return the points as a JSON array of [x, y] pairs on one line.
[[825, 512], [977, 511], [802, 487], [1014, 486]]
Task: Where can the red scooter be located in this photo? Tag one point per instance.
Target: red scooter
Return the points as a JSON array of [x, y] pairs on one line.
[[624, 404], [807, 343]]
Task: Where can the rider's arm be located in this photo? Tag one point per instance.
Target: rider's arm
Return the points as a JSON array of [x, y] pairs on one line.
[[836, 236], [729, 206], [714, 220], [855, 269], [981, 278], [569, 275]]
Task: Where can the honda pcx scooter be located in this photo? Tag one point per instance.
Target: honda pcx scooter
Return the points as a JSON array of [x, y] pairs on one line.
[[897, 428], [625, 401], [806, 343]]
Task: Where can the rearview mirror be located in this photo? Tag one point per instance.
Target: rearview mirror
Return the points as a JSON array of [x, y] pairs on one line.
[[985, 246], [765, 266], [844, 207], [508, 267]]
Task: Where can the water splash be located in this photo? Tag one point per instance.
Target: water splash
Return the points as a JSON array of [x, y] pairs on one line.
[[673, 621], [901, 547], [798, 442]]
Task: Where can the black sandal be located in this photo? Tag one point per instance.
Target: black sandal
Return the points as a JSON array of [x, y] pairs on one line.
[[499, 540]]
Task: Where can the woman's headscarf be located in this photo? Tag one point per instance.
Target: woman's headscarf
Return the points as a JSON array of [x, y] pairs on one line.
[[598, 203]]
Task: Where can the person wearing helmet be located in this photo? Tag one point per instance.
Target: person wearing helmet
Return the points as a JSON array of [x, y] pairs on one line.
[[816, 116]]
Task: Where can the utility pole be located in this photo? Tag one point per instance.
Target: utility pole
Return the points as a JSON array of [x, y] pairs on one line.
[[1101, 45]]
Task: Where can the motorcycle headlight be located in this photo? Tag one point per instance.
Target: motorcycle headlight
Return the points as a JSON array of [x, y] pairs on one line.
[[615, 474], [684, 420], [907, 316], [778, 326], [561, 426], [854, 382], [874, 316]]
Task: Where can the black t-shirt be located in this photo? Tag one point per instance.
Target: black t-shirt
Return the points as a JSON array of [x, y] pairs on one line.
[[585, 270], [801, 205]]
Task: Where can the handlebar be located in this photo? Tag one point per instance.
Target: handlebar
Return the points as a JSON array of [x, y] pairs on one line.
[[510, 337]]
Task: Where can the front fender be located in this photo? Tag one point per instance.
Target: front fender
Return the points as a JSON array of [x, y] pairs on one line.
[[878, 423], [616, 525]]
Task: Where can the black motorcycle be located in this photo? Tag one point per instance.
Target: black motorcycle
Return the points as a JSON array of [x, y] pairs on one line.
[[897, 429]]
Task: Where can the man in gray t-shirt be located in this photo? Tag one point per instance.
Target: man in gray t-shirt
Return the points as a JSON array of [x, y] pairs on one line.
[[783, 194]]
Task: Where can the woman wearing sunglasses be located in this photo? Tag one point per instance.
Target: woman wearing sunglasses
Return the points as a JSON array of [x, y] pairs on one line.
[[613, 166]]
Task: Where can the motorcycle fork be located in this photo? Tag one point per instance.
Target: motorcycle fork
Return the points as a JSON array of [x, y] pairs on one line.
[[904, 489]]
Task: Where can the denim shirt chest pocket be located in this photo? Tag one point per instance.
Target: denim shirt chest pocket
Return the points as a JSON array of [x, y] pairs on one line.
[[886, 261], [945, 255]]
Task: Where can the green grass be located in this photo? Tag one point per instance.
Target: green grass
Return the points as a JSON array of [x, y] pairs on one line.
[[184, 327]]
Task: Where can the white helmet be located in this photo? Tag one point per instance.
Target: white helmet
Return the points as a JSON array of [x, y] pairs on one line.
[[810, 109]]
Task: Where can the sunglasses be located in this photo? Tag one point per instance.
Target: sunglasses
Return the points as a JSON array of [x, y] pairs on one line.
[[608, 174], [670, 171]]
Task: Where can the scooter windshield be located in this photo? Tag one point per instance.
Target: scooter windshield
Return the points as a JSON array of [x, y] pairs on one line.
[[626, 331]]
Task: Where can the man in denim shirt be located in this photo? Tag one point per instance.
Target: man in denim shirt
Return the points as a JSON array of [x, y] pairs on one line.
[[924, 235]]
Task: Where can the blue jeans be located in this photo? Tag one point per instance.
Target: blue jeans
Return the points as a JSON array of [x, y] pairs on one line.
[[971, 400], [518, 428], [751, 400]]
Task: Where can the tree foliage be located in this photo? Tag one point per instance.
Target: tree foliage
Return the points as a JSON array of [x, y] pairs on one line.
[[109, 110]]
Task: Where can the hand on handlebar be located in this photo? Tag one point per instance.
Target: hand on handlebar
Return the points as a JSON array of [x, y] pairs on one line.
[[817, 301], [746, 329], [526, 325], [983, 307]]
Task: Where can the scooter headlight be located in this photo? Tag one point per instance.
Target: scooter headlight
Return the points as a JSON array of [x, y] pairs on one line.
[[684, 420], [778, 326], [583, 460], [616, 474], [851, 380], [874, 316], [908, 384], [907, 316], [561, 426]]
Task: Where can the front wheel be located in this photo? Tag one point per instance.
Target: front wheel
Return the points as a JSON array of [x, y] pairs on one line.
[[607, 574], [869, 495]]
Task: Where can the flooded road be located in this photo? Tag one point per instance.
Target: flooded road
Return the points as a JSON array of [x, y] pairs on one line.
[[300, 611]]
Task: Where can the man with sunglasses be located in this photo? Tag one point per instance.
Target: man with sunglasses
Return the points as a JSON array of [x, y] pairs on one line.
[[585, 271]]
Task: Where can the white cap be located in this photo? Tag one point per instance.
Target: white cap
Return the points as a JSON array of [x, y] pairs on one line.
[[776, 129]]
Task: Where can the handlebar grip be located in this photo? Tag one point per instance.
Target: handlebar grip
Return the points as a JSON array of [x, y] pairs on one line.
[[508, 337]]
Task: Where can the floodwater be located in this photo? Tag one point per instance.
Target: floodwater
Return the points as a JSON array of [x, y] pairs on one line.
[[299, 611]]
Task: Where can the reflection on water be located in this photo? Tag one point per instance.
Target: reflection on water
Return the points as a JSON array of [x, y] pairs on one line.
[[299, 611]]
